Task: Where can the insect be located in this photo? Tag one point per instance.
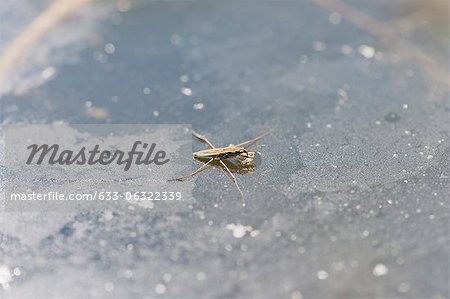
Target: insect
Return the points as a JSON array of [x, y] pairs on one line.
[[239, 158]]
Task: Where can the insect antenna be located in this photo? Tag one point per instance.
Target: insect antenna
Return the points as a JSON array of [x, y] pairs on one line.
[[254, 140], [202, 139]]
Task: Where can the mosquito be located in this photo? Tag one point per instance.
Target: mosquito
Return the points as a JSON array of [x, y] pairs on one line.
[[240, 157]]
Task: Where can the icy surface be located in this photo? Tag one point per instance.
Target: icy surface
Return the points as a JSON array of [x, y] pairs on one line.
[[351, 199]]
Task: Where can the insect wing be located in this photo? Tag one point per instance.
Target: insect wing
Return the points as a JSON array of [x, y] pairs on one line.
[[218, 152]]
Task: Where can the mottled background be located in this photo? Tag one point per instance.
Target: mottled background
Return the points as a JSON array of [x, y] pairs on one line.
[[351, 200]]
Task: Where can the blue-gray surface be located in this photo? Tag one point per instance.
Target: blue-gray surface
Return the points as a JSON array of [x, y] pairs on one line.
[[351, 200]]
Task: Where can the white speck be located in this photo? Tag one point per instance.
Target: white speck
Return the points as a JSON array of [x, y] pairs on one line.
[[5, 276], [346, 50], [309, 125], [110, 48], [184, 78], [239, 230], [366, 233], [303, 59], [329, 126], [156, 113], [407, 132], [186, 91], [319, 46], [430, 157], [403, 287], [200, 276], [366, 51], [322, 275], [198, 106], [339, 266], [17, 271], [167, 277], [177, 40], [380, 270], [405, 106], [109, 286], [48, 72], [254, 233], [335, 18], [296, 295], [147, 90], [96, 112], [128, 273], [342, 94], [317, 144], [160, 289], [108, 215]]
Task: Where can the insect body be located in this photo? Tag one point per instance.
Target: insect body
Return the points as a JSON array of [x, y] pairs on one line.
[[238, 158], [222, 152]]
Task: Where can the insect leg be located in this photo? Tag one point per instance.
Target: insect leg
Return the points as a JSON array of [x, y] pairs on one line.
[[186, 177], [234, 180], [251, 141], [203, 139]]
